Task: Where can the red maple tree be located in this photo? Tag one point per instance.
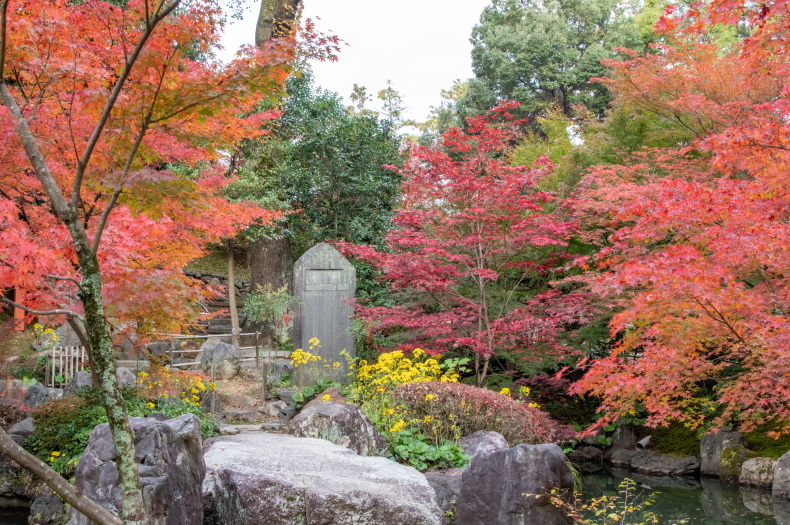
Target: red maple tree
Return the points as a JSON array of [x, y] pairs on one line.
[[696, 237], [472, 231]]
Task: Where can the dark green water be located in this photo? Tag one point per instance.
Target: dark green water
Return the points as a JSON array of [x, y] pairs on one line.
[[14, 517], [698, 502]]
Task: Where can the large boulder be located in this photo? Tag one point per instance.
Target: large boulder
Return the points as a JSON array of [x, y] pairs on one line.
[[344, 425], [781, 486], [47, 509], [257, 478], [446, 483], [19, 432], [81, 380], [654, 464], [126, 378], [483, 442], [623, 438], [589, 459], [12, 392], [219, 359], [711, 447], [732, 459], [510, 487], [757, 472], [170, 461], [35, 396]]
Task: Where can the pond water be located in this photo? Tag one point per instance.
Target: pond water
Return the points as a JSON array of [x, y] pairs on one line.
[[14, 516], [697, 501]]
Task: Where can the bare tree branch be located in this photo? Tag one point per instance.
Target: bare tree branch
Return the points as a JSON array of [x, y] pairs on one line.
[[42, 312]]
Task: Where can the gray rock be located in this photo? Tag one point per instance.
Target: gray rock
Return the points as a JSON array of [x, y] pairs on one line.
[[757, 472], [47, 509], [781, 511], [54, 393], [12, 392], [257, 478], [287, 413], [286, 394], [81, 379], [591, 440], [240, 414], [781, 486], [272, 408], [623, 438], [446, 483], [22, 430], [654, 464], [273, 426], [211, 402], [711, 447], [126, 378], [586, 454], [17, 485], [344, 425], [483, 442], [509, 487], [219, 359], [238, 400], [35, 396], [170, 462], [675, 482]]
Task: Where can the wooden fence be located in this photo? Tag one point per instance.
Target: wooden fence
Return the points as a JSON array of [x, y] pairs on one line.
[[62, 363]]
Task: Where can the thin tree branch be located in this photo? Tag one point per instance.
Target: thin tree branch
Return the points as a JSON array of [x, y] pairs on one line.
[[42, 312], [61, 278], [108, 107]]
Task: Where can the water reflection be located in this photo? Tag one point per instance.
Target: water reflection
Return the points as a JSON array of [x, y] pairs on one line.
[[699, 502]]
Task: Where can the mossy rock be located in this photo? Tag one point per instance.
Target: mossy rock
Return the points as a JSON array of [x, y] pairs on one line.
[[732, 459]]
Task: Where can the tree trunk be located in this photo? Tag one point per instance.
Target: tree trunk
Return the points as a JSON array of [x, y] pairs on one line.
[[98, 332], [234, 312], [272, 266], [276, 19]]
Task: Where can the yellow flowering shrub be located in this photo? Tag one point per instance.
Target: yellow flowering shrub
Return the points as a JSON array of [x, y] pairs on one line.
[[166, 383]]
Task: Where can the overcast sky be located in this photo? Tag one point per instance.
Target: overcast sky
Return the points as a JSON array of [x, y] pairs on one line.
[[421, 45]]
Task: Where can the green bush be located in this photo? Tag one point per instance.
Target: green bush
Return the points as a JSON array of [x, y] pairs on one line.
[[764, 445], [63, 426]]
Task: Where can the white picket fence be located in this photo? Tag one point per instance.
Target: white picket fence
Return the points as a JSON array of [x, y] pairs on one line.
[[62, 363]]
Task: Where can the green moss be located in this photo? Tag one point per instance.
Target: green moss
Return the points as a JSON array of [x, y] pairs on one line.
[[732, 459], [673, 440], [217, 262], [765, 446]]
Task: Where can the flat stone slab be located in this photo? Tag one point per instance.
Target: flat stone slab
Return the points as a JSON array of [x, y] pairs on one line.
[[257, 478], [232, 430]]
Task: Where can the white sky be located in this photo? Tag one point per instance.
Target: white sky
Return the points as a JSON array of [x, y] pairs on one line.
[[421, 45]]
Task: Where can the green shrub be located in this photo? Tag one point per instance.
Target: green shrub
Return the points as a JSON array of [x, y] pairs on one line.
[[63, 426], [673, 440], [416, 449], [760, 440], [450, 410]]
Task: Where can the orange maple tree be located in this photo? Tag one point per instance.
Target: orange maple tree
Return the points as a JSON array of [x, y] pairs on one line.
[[104, 107], [694, 239]]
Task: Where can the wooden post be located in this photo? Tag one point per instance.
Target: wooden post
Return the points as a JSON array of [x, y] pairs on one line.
[[257, 353], [19, 314]]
